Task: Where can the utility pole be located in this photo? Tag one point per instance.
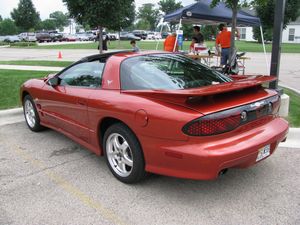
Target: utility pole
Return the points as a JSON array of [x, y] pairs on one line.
[[276, 45]]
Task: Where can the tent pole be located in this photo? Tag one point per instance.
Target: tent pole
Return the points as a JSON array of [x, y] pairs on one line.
[[157, 42], [263, 42], [177, 35]]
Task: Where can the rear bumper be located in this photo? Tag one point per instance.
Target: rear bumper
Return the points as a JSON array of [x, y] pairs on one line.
[[205, 157]]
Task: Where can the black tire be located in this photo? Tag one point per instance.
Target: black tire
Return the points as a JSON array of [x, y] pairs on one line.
[[137, 171], [33, 125]]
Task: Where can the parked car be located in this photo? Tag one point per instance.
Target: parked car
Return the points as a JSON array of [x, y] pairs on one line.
[[82, 37], [2, 38], [55, 36], [12, 39], [43, 37], [112, 36], [158, 112], [30, 37], [69, 37], [128, 36], [91, 35], [153, 36], [140, 33]]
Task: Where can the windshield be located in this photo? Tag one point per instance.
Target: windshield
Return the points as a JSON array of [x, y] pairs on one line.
[[167, 72]]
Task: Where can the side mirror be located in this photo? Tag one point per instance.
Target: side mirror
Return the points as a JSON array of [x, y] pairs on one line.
[[53, 81]]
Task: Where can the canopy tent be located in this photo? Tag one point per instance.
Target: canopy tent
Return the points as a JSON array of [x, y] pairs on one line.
[[201, 13]]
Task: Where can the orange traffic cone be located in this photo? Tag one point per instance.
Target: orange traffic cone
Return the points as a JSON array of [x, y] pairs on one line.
[[59, 55]]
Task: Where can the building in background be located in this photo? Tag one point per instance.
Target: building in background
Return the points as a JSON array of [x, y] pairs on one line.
[[291, 34]]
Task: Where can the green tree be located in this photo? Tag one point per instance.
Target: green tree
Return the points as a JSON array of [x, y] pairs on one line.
[[187, 31], [125, 18], [209, 32], [47, 24], [143, 25], [25, 15], [100, 13], [8, 27], [1, 18], [168, 6], [61, 20], [265, 10], [148, 12]]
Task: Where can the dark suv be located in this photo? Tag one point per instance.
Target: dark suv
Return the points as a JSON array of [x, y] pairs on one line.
[[43, 37], [140, 33]]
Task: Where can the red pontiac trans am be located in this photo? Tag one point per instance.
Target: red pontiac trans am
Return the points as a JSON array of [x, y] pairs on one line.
[[158, 112]]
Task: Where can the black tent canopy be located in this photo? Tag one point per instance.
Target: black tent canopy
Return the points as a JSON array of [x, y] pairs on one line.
[[201, 12]]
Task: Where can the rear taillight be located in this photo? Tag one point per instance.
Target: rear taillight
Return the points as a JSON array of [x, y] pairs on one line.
[[228, 120], [212, 124]]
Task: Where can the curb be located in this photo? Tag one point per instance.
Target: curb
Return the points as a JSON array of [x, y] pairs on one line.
[[287, 87], [11, 112]]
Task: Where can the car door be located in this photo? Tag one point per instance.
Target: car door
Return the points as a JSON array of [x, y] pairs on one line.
[[65, 105]]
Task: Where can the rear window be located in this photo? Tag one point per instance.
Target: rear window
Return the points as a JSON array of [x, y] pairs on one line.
[[167, 72]]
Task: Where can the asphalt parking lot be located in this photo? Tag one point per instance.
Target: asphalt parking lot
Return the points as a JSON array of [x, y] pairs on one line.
[[46, 178]]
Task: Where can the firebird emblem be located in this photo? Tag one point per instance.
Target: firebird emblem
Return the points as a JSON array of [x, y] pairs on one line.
[[257, 104], [109, 82]]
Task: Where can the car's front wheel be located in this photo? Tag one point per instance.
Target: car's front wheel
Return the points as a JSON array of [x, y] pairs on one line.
[[123, 154], [31, 115]]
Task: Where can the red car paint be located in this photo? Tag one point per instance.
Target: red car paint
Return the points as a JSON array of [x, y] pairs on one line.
[[158, 117]]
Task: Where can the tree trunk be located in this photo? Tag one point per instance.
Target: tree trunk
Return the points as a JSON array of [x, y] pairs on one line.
[[233, 27], [100, 40]]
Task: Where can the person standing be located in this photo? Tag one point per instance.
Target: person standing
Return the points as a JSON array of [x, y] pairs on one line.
[[104, 42], [170, 43], [105, 39], [135, 48], [223, 40], [198, 36]]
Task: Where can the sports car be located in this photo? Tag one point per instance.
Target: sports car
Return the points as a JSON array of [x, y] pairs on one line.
[[158, 112]]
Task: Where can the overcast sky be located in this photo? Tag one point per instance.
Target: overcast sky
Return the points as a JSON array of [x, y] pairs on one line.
[[45, 7]]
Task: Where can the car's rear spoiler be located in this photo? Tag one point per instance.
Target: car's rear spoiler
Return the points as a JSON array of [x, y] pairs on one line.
[[240, 82]]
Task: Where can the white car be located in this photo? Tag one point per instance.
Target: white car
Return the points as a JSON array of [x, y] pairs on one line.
[[82, 37], [153, 36], [11, 39], [113, 36], [30, 37]]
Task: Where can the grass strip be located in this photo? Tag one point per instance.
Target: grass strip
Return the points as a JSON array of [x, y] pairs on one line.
[[294, 108], [37, 63], [10, 82]]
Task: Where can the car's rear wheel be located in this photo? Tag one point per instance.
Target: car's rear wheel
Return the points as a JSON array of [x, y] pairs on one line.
[[123, 154], [31, 115]]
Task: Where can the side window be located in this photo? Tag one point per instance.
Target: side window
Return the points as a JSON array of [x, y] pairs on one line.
[[87, 74]]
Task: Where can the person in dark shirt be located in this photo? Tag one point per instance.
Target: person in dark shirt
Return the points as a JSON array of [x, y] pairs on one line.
[[197, 35], [135, 48], [105, 39]]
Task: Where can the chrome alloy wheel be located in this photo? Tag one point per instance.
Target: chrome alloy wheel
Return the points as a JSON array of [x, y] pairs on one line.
[[29, 113], [119, 154]]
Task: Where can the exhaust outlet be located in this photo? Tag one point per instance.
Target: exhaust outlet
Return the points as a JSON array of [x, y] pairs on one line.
[[222, 172]]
